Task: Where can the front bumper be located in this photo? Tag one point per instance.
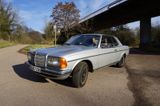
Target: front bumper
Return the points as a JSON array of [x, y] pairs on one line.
[[52, 74]]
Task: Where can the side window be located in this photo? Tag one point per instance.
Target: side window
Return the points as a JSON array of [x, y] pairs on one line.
[[104, 42], [115, 43], [108, 42]]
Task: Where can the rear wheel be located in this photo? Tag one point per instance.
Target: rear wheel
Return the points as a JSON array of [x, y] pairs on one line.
[[80, 75], [121, 63]]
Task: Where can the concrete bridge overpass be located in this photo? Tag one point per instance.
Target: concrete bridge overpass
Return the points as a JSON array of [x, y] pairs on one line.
[[125, 11]]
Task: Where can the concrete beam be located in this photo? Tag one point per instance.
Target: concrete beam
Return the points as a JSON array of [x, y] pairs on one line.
[[145, 32]]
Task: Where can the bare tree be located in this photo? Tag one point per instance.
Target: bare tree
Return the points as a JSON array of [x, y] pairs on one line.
[[64, 15]]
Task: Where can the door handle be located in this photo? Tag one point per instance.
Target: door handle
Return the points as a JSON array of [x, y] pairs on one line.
[[115, 50]]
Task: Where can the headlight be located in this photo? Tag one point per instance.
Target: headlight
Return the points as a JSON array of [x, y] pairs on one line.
[[29, 57], [57, 62], [53, 61]]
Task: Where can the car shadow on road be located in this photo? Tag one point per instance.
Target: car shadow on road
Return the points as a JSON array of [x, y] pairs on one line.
[[23, 71], [67, 82]]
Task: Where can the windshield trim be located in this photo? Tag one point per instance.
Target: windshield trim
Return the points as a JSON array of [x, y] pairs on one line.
[[96, 35]]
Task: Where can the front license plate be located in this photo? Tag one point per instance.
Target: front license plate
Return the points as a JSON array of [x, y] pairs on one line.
[[36, 69]]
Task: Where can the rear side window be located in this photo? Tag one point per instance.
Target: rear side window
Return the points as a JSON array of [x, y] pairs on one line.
[[108, 42], [114, 41]]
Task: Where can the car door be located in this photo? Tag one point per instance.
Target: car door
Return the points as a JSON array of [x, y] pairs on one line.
[[108, 50], [117, 49]]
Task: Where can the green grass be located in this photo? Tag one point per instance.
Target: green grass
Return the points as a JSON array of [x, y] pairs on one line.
[[34, 46], [5, 44]]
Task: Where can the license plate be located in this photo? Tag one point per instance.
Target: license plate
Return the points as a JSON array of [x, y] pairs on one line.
[[36, 69]]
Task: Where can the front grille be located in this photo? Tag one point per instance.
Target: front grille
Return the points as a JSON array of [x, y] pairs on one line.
[[39, 60]]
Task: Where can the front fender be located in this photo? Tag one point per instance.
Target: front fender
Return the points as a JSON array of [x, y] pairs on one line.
[[78, 61]]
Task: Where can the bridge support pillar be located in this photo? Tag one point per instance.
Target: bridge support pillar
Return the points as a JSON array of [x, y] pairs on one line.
[[145, 32]]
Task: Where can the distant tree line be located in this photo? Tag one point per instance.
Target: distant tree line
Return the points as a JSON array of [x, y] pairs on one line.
[[66, 17], [12, 29]]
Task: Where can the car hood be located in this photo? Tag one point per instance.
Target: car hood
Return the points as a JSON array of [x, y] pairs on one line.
[[62, 50]]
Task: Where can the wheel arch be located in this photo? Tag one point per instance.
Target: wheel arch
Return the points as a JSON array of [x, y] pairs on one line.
[[123, 55], [90, 64]]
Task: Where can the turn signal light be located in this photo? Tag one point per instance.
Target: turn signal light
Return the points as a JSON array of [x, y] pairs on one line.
[[63, 63]]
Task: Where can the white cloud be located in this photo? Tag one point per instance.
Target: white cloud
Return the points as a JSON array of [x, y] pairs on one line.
[[155, 21], [82, 4], [133, 25], [8, 1], [98, 4], [87, 7], [34, 18], [34, 14], [27, 15]]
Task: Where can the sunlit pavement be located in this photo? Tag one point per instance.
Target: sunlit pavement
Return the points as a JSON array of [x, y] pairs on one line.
[[144, 78], [107, 86]]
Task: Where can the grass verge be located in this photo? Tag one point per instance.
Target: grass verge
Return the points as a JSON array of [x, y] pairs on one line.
[[5, 44], [34, 46]]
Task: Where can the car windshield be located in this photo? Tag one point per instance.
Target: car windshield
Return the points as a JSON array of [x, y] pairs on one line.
[[85, 40]]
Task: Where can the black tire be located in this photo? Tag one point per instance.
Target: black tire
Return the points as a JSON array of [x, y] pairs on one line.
[[80, 75], [121, 63]]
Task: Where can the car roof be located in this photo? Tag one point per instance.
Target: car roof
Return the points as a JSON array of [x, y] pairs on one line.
[[91, 34], [99, 34]]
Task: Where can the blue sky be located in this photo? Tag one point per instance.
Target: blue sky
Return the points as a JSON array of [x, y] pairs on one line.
[[35, 13]]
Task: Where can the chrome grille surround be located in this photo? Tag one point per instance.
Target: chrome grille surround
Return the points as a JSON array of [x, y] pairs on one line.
[[40, 60], [32, 58]]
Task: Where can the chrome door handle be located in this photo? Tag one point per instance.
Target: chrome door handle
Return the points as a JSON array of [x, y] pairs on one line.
[[115, 50]]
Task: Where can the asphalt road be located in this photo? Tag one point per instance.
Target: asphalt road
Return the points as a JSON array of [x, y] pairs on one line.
[[108, 86], [144, 78], [20, 86]]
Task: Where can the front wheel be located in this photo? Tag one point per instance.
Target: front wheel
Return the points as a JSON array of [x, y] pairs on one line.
[[80, 74]]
